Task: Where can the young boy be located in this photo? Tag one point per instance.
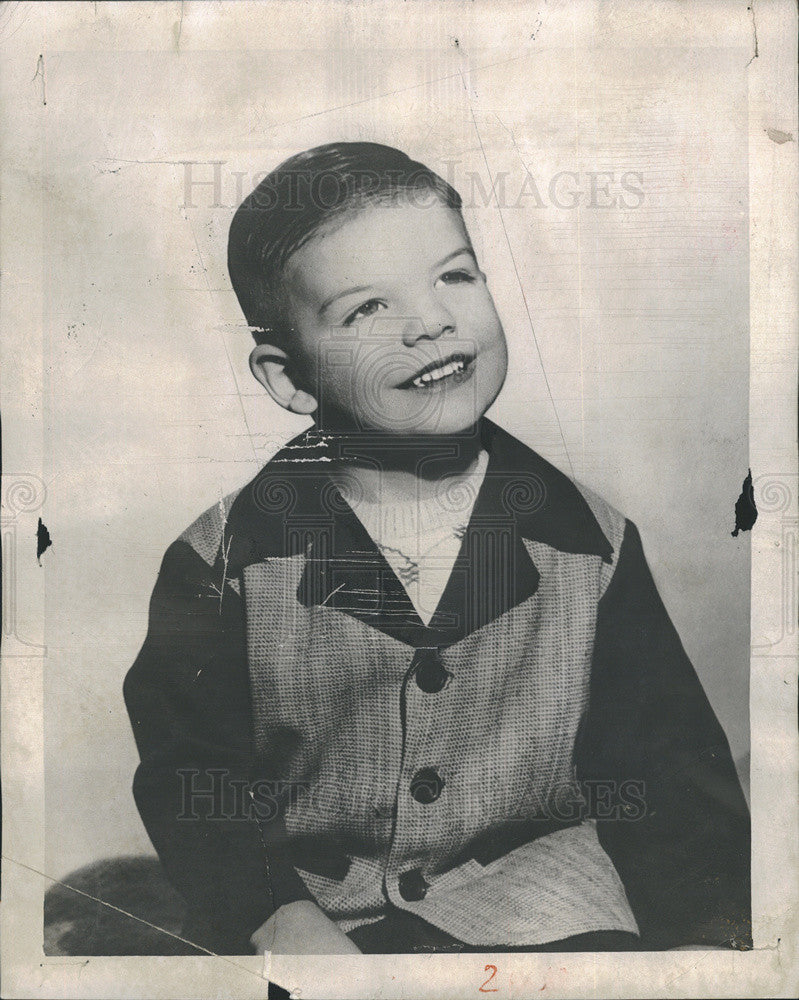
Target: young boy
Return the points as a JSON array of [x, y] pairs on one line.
[[412, 688]]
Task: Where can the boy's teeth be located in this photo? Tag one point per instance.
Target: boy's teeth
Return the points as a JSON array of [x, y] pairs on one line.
[[438, 373]]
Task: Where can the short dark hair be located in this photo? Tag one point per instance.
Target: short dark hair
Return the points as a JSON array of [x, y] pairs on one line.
[[298, 198]]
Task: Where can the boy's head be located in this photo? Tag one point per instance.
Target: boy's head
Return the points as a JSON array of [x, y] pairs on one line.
[[353, 267]]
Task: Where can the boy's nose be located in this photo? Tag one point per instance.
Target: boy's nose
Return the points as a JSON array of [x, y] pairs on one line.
[[430, 322]]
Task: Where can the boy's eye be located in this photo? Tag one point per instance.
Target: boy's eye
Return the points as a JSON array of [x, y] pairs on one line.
[[454, 277], [363, 311]]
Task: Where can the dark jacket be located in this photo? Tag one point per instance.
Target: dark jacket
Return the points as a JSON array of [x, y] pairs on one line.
[[539, 762]]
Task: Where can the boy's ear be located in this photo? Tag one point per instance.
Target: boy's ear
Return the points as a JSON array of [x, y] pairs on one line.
[[271, 366]]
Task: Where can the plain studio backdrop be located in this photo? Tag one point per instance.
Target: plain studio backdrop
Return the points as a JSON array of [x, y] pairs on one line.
[[606, 192]]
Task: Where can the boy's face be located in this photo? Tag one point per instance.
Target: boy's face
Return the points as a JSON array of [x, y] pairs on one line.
[[395, 330]]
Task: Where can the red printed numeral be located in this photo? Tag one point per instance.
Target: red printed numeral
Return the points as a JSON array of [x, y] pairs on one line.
[[485, 988]]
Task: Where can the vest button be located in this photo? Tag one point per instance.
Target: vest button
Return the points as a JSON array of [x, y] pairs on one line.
[[427, 785], [412, 886], [429, 671]]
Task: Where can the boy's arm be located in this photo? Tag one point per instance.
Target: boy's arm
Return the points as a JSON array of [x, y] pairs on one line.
[[651, 732], [188, 699]]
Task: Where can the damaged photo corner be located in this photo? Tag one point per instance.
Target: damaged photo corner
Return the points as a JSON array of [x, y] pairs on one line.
[[402, 593]]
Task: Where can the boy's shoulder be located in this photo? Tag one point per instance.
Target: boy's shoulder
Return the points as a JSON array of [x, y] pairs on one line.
[[553, 507], [239, 527], [206, 533], [612, 522]]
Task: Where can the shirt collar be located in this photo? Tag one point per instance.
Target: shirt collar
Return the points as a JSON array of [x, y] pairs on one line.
[[293, 508]]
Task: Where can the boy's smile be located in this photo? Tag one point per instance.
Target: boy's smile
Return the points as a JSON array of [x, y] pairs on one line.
[[394, 329], [456, 368]]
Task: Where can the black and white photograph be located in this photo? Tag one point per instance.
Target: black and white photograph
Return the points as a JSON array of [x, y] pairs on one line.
[[399, 498]]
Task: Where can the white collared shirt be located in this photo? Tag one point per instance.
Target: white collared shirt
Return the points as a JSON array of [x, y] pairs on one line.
[[420, 539]]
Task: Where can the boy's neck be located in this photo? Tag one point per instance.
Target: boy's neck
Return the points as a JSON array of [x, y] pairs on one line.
[[390, 469]]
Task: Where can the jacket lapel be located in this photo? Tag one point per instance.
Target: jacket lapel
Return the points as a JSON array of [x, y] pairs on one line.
[[346, 571]]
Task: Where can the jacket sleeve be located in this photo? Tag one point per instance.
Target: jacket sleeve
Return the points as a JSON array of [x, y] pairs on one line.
[[672, 816], [188, 699]]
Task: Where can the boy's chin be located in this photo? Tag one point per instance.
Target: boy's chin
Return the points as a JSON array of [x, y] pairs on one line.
[[405, 430], [406, 418]]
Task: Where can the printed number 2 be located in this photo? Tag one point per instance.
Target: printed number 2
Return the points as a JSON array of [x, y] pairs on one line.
[[485, 988]]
